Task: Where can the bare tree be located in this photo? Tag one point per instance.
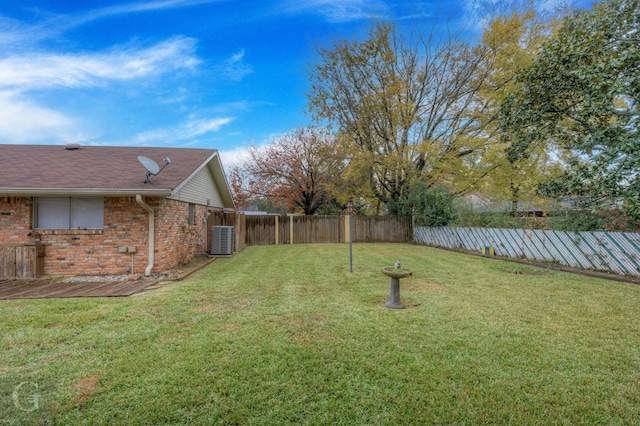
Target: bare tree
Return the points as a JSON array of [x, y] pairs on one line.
[[296, 169]]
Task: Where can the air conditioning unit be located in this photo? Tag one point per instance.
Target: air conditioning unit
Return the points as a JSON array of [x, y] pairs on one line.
[[222, 240]]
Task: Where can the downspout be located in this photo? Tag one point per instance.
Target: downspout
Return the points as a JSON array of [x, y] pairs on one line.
[[147, 271]]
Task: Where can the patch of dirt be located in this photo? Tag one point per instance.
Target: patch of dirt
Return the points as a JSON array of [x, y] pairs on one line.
[[524, 272], [302, 328], [176, 274], [197, 262], [84, 388], [54, 357], [204, 309], [232, 326], [407, 305]]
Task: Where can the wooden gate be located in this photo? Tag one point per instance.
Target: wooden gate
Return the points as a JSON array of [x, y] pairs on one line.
[[21, 262]]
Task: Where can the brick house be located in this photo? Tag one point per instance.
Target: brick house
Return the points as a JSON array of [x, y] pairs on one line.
[[95, 211]]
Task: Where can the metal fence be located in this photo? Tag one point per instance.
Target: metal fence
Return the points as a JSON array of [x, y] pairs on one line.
[[617, 252]]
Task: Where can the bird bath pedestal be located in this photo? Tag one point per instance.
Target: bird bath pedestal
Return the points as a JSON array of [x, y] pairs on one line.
[[395, 274]]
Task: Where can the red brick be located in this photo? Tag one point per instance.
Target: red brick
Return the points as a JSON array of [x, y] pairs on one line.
[[79, 252]]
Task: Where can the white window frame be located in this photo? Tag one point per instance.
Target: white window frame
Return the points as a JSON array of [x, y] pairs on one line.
[[68, 213]]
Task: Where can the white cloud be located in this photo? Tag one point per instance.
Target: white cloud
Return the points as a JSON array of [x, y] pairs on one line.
[[24, 122], [239, 106], [147, 6], [235, 156], [125, 9], [37, 84], [482, 10], [12, 32], [232, 157], [185, 132], [24, 118], [52, 25], [234, 68], [41, 70], [195, 128], [336, 10]]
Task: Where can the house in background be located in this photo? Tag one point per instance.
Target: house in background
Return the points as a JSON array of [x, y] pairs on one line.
[[95, 212]]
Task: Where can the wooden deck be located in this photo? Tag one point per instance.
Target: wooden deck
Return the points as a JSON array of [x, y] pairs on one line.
[[44, 289]]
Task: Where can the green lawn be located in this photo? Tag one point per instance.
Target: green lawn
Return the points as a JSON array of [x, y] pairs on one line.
[[286, 335]]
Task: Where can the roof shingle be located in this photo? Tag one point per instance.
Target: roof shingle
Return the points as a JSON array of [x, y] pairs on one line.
[[108, 168]]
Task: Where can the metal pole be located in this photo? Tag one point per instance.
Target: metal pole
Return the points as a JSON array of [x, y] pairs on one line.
[[350, 244], [349, 211]]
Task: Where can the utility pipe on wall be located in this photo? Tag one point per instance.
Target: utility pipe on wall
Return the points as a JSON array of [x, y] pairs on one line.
[[147, 271]]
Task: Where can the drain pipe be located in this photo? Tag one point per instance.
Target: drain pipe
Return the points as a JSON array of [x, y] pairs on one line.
[[147, 271]]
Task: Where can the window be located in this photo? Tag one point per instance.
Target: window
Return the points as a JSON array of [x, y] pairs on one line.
[[68, 213], [192, 214]]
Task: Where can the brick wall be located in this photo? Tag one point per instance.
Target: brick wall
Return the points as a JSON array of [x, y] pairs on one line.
[[98, 252], [15, 220], [177, 241]]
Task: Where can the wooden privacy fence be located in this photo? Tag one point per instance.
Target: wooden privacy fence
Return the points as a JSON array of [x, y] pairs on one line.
[[294, 229], [382, 229], [617, 252], [299, 229]]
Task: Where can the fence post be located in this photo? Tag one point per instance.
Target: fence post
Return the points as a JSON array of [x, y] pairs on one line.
[[291, 229], [350, 216], [277, 230]]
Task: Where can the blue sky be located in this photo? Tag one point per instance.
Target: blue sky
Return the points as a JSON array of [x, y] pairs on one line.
[[221, 74]]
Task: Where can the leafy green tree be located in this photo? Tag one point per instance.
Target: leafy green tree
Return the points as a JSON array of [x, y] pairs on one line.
[[398, 104], [511, 43], [430, 206], [582, 94]]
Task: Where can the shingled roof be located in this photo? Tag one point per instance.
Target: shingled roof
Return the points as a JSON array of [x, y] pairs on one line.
[[108, 170]]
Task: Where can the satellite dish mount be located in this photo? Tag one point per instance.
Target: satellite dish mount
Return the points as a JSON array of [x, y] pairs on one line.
[[152, 167]]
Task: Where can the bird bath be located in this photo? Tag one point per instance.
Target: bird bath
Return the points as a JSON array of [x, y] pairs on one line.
[[396, 274]]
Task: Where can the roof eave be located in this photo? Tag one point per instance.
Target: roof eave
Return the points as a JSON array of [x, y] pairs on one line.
[[85, 192]]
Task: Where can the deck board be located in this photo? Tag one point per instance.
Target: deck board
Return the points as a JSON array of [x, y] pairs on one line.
[[44, 289]]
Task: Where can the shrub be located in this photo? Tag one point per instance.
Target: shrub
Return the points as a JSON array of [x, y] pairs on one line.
[[430, 206], [575, 220]]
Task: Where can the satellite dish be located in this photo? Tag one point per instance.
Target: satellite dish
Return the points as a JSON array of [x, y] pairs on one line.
[[151, 166]]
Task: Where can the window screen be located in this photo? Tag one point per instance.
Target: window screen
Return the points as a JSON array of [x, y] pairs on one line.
[[192, 214], [69, 213], [86, 213], [52, 213]]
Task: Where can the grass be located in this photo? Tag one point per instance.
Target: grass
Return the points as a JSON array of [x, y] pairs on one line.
[[286, 335]]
